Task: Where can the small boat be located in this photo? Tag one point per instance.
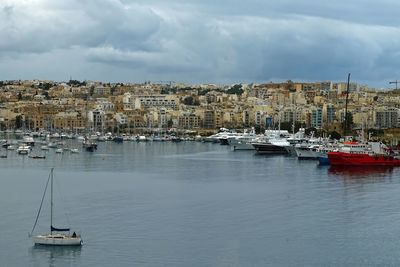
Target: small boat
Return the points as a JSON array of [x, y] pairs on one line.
[[23, 149], [74, 150], [142, 138], [37, 157], [59, 150], [89, 145], [324, 160], [52, 145], [57, 236], [27, 139]]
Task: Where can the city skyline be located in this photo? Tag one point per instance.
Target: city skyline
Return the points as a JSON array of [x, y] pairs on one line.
[[200, 42]]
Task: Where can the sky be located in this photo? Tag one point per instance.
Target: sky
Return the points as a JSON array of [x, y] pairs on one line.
[[202, 41]]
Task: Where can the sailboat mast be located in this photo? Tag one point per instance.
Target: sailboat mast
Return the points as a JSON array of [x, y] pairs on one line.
[[51, 203]]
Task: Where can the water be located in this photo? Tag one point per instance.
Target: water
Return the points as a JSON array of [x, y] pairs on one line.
[[196, 204]]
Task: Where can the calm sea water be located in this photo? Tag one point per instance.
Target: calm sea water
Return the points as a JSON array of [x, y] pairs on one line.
[[197, 204]]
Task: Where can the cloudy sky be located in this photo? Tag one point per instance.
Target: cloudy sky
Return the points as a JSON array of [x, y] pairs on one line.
[[196, 41]]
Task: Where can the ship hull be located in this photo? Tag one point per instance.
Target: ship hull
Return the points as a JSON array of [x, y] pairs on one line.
[[57, 240], [266, 148], [355, 159]]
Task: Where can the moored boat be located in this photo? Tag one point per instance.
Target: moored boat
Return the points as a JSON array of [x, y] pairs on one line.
[[369, 154], [57, 236], [37, 157], [269, 148], [23, 149], [368, 159], [323, 160], [89, 145]]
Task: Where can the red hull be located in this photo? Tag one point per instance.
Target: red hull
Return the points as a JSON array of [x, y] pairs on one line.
[[355, 159]]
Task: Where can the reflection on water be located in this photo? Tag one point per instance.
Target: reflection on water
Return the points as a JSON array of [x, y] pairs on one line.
[[55, 255], [376, 172]]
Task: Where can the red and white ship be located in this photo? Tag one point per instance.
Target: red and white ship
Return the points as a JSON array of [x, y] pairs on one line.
[[363, 154]]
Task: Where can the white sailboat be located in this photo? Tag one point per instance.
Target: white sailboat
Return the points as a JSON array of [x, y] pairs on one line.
[[57, 236]]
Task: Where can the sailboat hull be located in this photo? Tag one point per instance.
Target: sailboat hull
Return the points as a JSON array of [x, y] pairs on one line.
[[57, 240]]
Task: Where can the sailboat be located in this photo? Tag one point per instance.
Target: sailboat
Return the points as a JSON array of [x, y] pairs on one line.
[[57, 236]]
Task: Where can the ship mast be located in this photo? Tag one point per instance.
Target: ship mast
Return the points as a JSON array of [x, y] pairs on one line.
[[345, 110], [51, 203]]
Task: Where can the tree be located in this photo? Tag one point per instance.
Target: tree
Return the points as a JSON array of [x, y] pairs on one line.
[[202, 91], [113, 89], [18, 121], [46, 95], [289, 86], [188, 100], [236, 89], [335, 135], [170, 123], [76, 83], [91, 90]]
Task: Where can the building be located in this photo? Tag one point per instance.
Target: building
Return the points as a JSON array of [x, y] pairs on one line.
[[162, 118], [258, 118], [159, 101], [71, 121], [102, 91], [97, 119], [316, 118], [328, 111], [385, 117], [121, 118], [189, 121]]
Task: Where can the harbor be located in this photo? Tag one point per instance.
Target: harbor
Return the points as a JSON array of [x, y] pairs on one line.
[[172, 203], [347, 151]]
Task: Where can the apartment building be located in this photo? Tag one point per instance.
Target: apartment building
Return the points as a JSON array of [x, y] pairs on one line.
[[69, 121], [385, 117], [158, 101], [316, 118], [189, 121]]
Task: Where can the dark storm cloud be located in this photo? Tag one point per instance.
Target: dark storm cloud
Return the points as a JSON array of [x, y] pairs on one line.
[[201, 41]]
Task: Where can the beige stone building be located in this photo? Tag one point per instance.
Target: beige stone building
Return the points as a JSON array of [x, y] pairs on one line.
[[71, 121]]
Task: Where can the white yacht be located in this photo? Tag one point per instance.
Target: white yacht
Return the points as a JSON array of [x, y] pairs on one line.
[[308, 151], [243, 142], [215, 138], [27, 139], [23, 149]]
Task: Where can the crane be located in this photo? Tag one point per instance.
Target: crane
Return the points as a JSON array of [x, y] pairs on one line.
[[396, 82]]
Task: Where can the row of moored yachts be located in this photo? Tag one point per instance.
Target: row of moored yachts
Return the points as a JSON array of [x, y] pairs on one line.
[[326, 150]]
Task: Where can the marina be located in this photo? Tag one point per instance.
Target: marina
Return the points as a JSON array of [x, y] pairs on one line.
[[346, 151], [196, 204]]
